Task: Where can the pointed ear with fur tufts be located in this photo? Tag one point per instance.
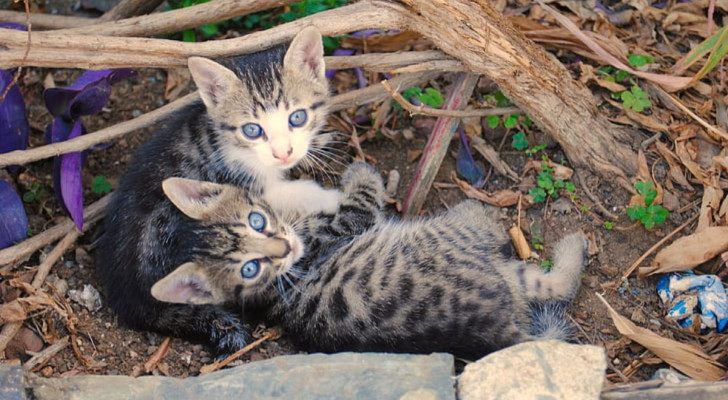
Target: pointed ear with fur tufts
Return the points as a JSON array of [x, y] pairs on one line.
[[196, 199], [306, 55], [185, 285], [212, 79]]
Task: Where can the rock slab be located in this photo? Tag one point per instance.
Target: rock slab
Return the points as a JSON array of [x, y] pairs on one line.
[[301, 377], [11, 382], [543, 370]]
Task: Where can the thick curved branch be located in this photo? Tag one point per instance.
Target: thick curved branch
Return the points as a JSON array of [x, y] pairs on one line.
[[51, 49]]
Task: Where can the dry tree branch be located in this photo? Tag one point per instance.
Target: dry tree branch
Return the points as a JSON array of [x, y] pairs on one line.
[[45, 21], [130, 8], [25, 55], [22, 250], [340, 102], [177, 20], [52, 49], [435, 112]]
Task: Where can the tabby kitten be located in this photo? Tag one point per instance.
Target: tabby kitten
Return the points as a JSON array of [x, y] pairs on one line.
[[258, 117], [367, 283]]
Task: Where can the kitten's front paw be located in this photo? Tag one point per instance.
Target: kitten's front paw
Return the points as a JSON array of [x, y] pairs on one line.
[[231, 341], [329, 201]]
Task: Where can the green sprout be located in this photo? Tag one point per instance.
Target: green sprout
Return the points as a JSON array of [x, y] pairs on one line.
[[648, 214], [100, 185], [635, 99]]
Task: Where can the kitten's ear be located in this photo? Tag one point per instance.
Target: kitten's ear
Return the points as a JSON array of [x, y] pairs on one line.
[[194, 198], [212, 79], [306, 54], [185, 285]]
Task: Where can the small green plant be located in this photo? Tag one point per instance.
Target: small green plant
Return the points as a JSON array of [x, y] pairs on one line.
[[520, 141], [638, 60], [35, 193], [509, 121], [535, 149], [546, 264], [635, 99], [430, 96], [648, 214], [100, 185], [548, 186], [537, 241], [613, 74], [608, 225]]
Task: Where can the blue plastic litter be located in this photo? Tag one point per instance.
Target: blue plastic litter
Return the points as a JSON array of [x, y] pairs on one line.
[[685, 294]]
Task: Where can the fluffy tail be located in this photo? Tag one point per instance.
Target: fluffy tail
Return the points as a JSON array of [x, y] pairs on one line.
[[549, 321]]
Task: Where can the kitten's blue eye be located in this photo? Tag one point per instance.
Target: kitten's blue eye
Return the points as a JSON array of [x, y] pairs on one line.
[[250, 269], [256, 221], [252, 131], [298, 118]]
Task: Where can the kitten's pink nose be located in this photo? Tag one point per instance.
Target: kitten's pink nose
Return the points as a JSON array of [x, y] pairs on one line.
[[283, 156]]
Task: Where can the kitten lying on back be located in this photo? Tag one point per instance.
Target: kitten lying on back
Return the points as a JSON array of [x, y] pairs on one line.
[[363, 282], [259, 115]]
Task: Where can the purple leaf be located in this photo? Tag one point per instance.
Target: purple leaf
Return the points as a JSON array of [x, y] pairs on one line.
[[466, 167], [12, 25], [13, 122], [13, 221], [68, 180], [88, 95]]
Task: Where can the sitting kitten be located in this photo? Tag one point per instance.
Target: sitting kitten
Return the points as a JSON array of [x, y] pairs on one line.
[[258, 117], [355, 280]]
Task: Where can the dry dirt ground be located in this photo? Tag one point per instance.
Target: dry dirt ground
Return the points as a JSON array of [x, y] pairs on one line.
[[105, 347]]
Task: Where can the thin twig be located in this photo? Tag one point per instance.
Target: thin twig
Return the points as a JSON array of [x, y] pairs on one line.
[[657, 245], [158, 355], [272, 334], [22, 250], [594, 198], [25, 56], [716, 133], [41, 358], [435, 112], [11, 329]]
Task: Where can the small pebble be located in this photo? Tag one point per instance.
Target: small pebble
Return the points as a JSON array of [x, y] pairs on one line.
[[136, 113]]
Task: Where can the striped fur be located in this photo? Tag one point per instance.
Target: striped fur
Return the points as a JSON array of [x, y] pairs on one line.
[[368, 283], [146, 237]]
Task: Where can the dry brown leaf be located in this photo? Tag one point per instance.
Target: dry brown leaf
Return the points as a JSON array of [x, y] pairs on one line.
[[676, 172], [12, 312], [712, 197], [587, 75], [682, 18], [690, 360], [690, 251], [177, 80], [560, 171], [490, 154], [669, 82], [683, 153], [500, 198], [649, 122]]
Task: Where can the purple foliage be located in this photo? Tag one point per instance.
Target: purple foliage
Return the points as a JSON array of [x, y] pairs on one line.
[[13, 122], [13, 221], [88, 95], [465, 163]]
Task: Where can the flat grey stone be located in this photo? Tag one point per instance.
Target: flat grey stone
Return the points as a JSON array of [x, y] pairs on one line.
[[300, 377], [690, 390], [11, 382], [543, 370]]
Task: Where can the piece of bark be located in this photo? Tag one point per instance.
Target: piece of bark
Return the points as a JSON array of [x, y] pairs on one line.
[[520, 243], [130, 8], [437, 144]]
